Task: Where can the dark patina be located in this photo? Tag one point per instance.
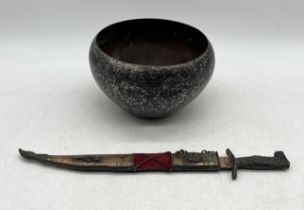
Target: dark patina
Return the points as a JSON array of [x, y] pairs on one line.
[[151, 67], [179, 161]]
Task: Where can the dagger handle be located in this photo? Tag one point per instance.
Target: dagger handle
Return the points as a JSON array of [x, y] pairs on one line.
[[256, 162]]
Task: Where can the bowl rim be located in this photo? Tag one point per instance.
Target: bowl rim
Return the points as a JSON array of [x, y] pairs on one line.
[[155, 67]]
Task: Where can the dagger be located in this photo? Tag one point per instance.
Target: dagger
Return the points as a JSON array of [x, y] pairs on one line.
[[180, 161]]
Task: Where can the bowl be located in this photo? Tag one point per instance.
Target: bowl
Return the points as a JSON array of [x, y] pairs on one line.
[[151, 67]]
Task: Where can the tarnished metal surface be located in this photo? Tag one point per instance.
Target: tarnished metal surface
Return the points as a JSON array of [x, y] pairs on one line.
[[145, 89], [95, 162], [225, 163], [195, 161], [170, 162]]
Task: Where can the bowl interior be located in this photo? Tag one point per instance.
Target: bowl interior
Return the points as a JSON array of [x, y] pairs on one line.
[[153, 42]]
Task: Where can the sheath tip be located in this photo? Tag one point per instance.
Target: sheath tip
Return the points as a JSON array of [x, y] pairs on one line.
[[27, 154], [33, 156]]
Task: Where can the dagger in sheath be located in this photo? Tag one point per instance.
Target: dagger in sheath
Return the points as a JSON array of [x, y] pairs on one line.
[[180, 161]]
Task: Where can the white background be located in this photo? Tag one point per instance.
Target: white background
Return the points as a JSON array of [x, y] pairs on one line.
[[50, 103]]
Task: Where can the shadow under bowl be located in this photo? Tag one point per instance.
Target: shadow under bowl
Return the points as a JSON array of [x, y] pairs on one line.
[[151, 67]]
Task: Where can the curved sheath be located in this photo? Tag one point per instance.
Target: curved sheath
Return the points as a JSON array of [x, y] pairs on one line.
[[138, 162]]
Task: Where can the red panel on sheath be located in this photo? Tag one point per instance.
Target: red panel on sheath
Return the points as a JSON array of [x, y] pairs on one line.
[[153, 162]]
